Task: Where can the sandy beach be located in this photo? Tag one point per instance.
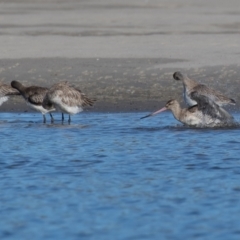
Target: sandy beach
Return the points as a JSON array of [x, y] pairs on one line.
[[123, 53]]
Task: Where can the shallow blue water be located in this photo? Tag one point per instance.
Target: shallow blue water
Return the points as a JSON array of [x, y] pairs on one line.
[[113, 176]]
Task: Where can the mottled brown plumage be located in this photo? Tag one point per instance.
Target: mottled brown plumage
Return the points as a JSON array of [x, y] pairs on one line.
[[34, 96], [190, 86], [6, 91], [205, 114], [67, 99]]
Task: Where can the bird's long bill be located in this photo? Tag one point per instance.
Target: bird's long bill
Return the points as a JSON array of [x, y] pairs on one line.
[[155, 113]]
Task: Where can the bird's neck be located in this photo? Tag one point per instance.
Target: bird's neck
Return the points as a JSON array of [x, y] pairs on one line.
[[189, 83], [19, 87], [177, 111]]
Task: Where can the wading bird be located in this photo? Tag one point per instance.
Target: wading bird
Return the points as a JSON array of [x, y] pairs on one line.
[[189, 86], [34, 96], [66, 99], [6, 91], [205, 114]]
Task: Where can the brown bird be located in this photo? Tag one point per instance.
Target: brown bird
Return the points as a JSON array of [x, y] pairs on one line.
[[34, 96], [6, 91], [190, 86], [66, 99], [205, 114]]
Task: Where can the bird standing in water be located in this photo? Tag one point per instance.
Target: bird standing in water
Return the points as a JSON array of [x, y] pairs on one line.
[[66, 99], [6, 91], [34, 96]]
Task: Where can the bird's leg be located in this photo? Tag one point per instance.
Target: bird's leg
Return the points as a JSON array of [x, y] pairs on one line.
[[44, 118], [52, 119], [69, 119], [62, 117]]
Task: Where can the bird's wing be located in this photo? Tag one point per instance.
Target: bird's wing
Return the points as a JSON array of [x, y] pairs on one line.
[[213, 94], [193, 109], [6, 90], [36, 98], [209, 107], [77, 98]]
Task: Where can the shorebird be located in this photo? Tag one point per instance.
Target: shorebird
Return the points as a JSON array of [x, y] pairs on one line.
[[66, 99], [205, 114], [190, 86], [34, 96], [6, 91]]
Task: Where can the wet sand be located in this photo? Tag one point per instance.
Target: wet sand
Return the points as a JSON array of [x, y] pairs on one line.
[[121, 53]]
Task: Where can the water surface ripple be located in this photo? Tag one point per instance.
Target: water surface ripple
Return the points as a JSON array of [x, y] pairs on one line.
[[113, 176]]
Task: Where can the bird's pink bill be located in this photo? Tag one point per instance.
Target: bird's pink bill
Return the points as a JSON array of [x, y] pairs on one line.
[[155, 113]]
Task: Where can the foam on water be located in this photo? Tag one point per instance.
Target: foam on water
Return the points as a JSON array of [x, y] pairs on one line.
[[113, 176]]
